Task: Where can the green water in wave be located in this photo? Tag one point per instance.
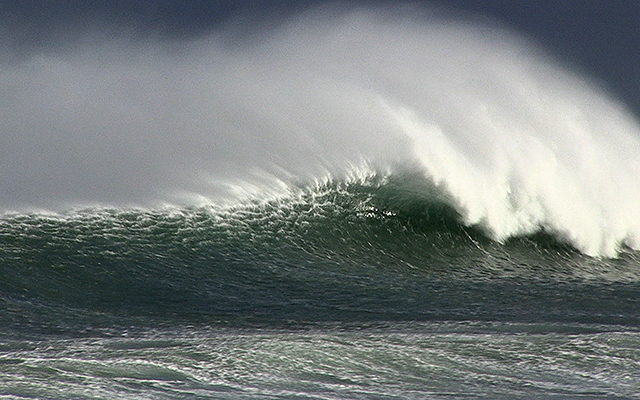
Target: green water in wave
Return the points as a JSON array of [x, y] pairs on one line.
[[358, 251]]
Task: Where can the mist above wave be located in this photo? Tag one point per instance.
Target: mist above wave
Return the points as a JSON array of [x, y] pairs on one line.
[[516, 142]]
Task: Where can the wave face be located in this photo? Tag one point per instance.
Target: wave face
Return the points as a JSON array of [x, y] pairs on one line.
[[369, 250], [515, 143]]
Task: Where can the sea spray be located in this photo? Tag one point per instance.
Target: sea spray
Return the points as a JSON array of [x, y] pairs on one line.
[[514, 142]]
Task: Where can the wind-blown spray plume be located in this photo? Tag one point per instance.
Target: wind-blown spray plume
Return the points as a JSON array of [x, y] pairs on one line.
[[514, 142]]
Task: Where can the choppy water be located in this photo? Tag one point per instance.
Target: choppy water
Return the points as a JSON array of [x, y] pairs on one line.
[[396, 361]]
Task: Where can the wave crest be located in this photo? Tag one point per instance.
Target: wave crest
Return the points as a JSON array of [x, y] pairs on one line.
[[514, 142]]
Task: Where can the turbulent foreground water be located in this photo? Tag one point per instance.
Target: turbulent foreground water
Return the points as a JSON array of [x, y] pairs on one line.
[[347, 290], [396, 361]]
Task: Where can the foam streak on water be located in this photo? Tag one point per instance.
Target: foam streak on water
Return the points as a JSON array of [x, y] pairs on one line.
[[436, 361]]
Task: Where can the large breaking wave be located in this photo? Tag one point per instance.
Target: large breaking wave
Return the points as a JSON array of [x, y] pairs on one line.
[[499, 133], [369, 250]]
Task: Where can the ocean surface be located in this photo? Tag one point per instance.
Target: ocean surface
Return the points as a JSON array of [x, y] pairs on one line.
[[353, 207], [347, 291]]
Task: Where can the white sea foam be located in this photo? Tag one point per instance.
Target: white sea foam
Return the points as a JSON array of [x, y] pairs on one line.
[[516, 141]]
